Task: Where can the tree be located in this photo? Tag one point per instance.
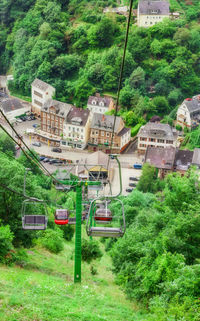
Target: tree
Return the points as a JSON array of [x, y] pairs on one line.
[[147, 180], [137, 79]]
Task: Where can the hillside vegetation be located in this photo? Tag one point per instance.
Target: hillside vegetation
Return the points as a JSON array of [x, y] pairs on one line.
[[75, 47]]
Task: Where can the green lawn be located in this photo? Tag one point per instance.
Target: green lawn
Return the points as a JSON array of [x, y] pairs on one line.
[[44, 290]]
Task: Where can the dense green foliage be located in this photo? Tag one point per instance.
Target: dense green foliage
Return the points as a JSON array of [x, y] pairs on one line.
[[78, 49], [90, 250], [157, 261]]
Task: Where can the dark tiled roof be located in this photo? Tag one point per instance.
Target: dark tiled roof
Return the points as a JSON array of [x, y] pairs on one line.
[[192, 105], [98, 100], [160, 157], [11, 104], [196, 157], [157, 130], [105, 122], [62, 109], [41, 84], [78, 115], [123, 131], [159, 7], [183, 159]]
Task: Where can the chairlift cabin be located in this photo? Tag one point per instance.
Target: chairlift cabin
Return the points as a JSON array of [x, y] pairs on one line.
[[61, 216], [104, 216], [102, 212], [34, 215]]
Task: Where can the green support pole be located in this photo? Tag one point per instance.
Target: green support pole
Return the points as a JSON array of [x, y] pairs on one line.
[[77, 264]]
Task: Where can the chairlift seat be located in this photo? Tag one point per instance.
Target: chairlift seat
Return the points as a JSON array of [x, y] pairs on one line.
[[34, 222], [103, 214], [105, 232]]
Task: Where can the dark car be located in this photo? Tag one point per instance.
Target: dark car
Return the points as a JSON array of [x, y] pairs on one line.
[[46, 160], [132, 185], [55, 161], [129, 190], [23, 118], [42, 158], [133, 178], [56, 150]]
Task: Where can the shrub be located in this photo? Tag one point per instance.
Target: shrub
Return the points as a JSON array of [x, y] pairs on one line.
[[90, 250], [52, 240], [6, 237], [178, 127], [68, 232]]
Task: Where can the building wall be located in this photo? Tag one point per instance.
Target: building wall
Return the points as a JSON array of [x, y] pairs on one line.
[[183, 116], [125, 139], [39, 97], [51, 123], [150, 20], [144, 142], [15, 113], [97, 109]]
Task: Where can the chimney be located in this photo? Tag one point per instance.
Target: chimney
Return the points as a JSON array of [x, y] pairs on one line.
[[97, 95]]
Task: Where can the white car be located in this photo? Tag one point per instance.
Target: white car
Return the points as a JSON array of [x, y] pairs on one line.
[[19, 120]]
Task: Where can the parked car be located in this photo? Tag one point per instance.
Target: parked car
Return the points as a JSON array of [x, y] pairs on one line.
[[35, 125], [23, 118], [55, 161], [132, 185], [129, 190], [137, 166], [133, 178], [42, 158], [38, 144], [56, 149], [46, 160], [19, 120]]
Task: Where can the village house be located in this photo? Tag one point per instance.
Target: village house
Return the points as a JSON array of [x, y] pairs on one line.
[[183, 160], [101, 134], [41, 92], [98, 104], [196, 157], [151, 12], [76, 128], [3, 83], [13, 108], [161, 158], [53, 115], [156, 135], [188, 114]]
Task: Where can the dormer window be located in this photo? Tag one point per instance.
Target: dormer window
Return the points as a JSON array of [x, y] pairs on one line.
[[101, 104], [94, 102], [154, 11]]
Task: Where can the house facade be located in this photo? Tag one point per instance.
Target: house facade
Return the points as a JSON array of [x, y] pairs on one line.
[[41, 92], [151, 12], [101, 134], [101, 105], [53, 115], [76, 128], [156, 135], [188, 114]]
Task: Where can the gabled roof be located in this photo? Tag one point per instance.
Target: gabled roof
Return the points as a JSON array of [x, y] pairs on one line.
[[192, 105], [78, 115], [41, 85], [11, 104], [162, 158], [196, 157], [105, 122], [158, 7], [183, 159], [98, 100], [157, 130], [123, 131], [62, 109]]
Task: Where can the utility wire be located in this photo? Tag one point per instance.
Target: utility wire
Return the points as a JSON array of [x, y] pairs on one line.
[[120, 77], [19, 137]]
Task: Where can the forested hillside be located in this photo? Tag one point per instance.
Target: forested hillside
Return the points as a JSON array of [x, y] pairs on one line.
[[75, 47]]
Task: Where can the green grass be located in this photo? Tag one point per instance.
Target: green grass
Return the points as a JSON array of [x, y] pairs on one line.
[[26, 98], [44, 290]]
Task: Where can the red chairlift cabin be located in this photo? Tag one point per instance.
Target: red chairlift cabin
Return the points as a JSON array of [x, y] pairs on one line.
[[61, 216], [103, 214], [188, 99]]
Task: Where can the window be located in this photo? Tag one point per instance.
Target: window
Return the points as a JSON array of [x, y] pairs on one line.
[[81, 136], [143, 139], [48, 122], [44, 128], [37, 103], [82, 130], [151, 139], [100, 110], [69, 135], [161, 141], [169, 141], [73, 128], [107, 135], [93, 132], [102, 133], [143, 145], [97, 133], [37, 94], [69, 128], [77, 129], [56, 131], [150, 23]]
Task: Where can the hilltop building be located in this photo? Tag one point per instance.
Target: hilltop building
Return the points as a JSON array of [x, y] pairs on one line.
[[14, 108], [98, 104], [41, 92], [151, 12], [188, 114]]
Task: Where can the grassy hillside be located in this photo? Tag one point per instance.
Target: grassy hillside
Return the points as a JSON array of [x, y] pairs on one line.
[[44, 290]]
